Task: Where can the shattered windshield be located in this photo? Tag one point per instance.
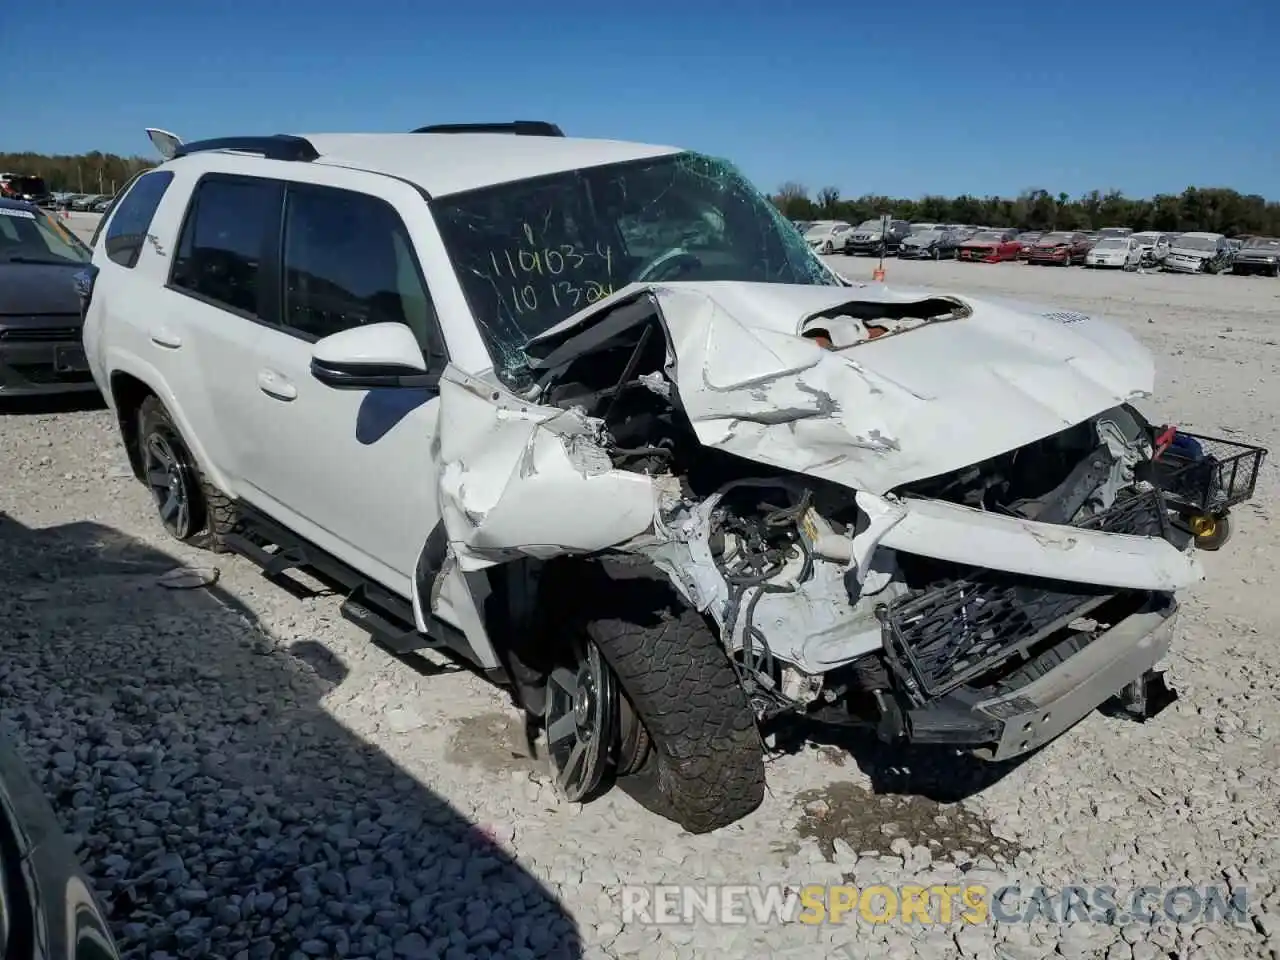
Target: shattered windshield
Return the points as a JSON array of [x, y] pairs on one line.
[[531, 253], [1260, 243], [1110, 243], [870, 225], [1204, 244]]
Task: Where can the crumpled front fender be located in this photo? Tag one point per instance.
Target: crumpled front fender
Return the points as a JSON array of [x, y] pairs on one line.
[[520, 479]]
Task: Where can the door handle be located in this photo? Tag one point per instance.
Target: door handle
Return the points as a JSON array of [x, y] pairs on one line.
[[275, 385], [163, 338]]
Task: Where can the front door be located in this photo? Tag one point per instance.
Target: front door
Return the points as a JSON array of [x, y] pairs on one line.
[[349, 470]]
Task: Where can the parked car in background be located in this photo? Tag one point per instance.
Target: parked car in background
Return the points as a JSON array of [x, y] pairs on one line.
[[26, 188], [40, 349], [85, 201], [937, 243], [827, 236], [1063, 247], [873, 237], [990, 246], [1198, 252], [1026, 241], [1258, 255], [1155, 246], [1122, 252]]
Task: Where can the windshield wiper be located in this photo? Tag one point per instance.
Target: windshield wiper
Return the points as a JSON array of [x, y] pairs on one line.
[[54, 261]]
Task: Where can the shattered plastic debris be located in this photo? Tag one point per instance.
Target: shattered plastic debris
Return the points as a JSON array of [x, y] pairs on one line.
[[188, 578]]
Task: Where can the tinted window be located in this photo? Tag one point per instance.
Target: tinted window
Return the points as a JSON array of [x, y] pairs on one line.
[[230, 223], [348, 261], [128, 226]]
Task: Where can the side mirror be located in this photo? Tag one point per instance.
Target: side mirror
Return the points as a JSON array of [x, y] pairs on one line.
[[371, 357]]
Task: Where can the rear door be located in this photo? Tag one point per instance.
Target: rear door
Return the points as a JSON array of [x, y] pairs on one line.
[[207, 328]]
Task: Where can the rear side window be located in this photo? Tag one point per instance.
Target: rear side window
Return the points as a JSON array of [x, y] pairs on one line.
[[127, 226], [230, 231]]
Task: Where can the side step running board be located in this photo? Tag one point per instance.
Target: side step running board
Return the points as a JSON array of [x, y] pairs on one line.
[[388, 618]]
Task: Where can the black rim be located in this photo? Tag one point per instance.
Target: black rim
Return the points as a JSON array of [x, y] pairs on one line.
[[581, 712], [169, 477]]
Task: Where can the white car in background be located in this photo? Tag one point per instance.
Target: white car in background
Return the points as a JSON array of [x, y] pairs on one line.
[[1122, 252], [1154, 244], [827, 236]]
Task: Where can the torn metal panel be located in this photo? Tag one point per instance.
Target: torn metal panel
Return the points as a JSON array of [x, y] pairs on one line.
[[518, 479], [883, 412], [949, 531]]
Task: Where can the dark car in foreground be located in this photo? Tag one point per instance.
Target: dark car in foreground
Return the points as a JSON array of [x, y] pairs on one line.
[[47, 910], [1258, 255], [40, 323], [1062, 247]]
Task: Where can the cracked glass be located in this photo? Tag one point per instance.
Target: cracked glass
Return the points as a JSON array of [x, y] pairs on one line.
[[532, 253]]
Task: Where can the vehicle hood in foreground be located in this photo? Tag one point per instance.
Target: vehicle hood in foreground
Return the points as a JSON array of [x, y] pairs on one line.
[[29, 289], [882, 412]]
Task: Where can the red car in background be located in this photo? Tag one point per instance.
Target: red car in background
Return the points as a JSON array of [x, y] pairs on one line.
[[990, 246], [1064, 247], [1026, 241]]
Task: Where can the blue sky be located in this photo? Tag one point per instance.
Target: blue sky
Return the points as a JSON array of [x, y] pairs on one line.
[[900, 98]]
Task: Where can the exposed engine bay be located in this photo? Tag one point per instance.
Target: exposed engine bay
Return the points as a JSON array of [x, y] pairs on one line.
[[818, 608]]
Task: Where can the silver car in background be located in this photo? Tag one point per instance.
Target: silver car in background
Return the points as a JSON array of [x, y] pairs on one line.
[[935, 243], [1198, 253], [1155, 246], [1122, 252]]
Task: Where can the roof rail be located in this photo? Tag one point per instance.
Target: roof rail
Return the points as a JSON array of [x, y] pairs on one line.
[[279, 146], [521, 128]]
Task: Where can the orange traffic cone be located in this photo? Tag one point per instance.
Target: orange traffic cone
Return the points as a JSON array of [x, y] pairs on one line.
[[878, 274]]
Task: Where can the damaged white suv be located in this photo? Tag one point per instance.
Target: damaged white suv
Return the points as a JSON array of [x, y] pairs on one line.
[[592, 416]]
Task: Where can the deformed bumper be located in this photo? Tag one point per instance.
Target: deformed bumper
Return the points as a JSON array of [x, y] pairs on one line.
[[1001, 727]]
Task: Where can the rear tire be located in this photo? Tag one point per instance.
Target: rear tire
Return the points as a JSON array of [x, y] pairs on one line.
[[190, 508], [704, 762]]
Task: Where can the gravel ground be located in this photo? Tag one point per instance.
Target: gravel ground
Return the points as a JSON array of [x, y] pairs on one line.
[[249, 777]]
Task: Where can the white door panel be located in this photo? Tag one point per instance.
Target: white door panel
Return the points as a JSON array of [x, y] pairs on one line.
[[347, 469]]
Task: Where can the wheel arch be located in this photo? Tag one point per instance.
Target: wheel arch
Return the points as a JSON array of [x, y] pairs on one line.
[[131, 380]]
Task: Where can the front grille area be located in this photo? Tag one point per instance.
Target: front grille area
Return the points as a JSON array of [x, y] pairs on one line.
[[962, 626]]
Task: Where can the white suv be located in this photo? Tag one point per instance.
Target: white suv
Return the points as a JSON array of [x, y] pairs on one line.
[[591, 415]]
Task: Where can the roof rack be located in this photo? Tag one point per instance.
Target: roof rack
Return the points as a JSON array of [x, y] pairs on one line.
[[521, 128], [279, 146]]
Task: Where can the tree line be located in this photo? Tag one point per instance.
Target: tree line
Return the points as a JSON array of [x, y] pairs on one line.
[[1212, 209], [102, 173], [1209, 209]]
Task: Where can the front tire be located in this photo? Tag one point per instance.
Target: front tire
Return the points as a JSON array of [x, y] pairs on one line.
[[685, 736], [190, 509]]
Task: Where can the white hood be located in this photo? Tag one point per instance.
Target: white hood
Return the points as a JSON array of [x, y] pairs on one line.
[[889, 411]]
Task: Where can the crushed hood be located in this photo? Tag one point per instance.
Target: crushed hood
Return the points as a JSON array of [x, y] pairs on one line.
[[887, 411]]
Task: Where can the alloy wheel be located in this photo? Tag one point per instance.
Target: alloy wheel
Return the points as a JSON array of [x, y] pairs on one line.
[[581, 722], [171, 480]]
